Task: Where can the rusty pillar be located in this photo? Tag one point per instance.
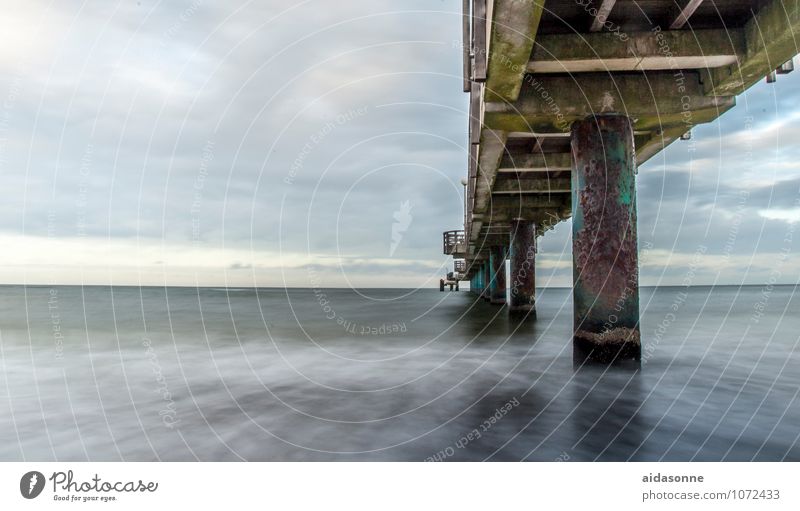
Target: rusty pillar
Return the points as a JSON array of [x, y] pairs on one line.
[[497, 262], [604, 251], [522, 279]]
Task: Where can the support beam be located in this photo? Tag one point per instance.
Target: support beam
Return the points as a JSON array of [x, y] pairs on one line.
[[522, 279], [553, 102], [531, 186], [658, 142], [498, 267], [479, 49], [466, 43], [540, 217], [604, 250], [639, 51], [475, 113], [525, 202], [514, 27], [602, 15], [771, 39], [536, 162], [685, 14], [493, 145]]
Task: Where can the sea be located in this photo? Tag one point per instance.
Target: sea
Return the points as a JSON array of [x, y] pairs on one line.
[[229, 374]]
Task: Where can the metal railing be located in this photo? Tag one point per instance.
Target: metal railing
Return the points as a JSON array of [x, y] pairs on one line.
[[460, 266], [453, 242]]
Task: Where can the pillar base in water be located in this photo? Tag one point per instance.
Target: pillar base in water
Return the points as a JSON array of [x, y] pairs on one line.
[[619, 345]]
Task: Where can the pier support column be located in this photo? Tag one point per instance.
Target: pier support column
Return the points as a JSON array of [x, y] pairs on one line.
[[497, 262], [522, 280], [604, 249], [487, 280]]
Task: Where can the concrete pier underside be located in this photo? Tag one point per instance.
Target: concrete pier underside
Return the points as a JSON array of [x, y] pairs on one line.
[[549, 81]]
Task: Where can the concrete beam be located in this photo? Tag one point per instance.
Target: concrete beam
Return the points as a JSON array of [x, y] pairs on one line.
[[466, 44], [531, 186], [521, 203], [514, 27], [771, 38], [537, 162], [686, 12], [658, 142], [553, 103], [545, 217], [475, 230], [479, 40], [641, 51], [475, 113], [491, 150], [602, 15]]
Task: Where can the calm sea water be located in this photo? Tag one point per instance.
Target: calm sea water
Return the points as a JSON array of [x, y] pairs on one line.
[[125, 373]]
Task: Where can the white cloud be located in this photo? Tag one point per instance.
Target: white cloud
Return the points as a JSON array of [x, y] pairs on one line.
[[785, 215]]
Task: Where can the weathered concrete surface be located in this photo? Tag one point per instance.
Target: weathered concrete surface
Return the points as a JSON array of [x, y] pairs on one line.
[[536, 162], [514, 27], [532, 186], [551, 103], [498, 268], [641, 51], [771, 38], [604, 248], [522, 277], [491, 150]]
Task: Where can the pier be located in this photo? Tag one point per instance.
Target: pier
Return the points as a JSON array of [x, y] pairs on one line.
[[566, 100]]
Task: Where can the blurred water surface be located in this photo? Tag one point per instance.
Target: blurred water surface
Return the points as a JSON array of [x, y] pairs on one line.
[[127, 373]]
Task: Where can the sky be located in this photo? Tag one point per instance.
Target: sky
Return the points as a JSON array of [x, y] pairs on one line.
[[317, 144]]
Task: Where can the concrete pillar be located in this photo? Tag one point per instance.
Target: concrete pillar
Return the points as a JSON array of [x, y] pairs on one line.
[[604, 250], [487, 280], [522, 279], [497, 261]]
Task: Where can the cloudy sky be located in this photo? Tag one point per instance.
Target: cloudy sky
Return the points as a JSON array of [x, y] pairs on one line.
[[276, 143]]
